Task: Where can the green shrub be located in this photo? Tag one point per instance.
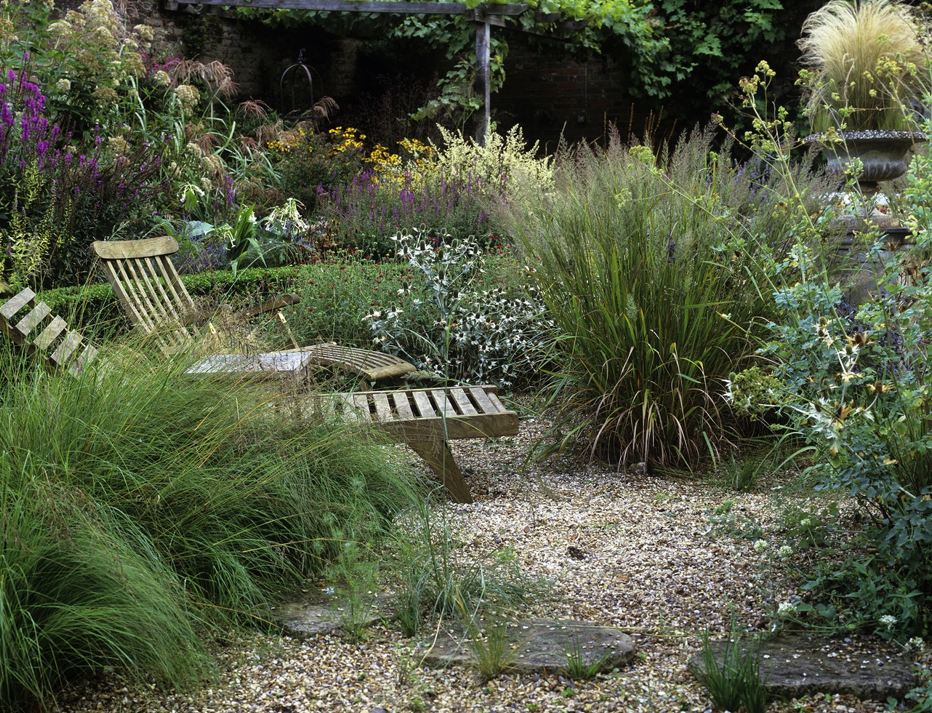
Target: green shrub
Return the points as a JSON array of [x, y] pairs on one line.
[[652, 269], [96, 307], [311, 162], [341, 294]]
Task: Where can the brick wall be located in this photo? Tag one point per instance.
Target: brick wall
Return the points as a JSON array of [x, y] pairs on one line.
[[546, 92], [554, 93]]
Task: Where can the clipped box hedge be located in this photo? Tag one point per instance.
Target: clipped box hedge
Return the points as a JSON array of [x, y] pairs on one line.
[[97, 308]]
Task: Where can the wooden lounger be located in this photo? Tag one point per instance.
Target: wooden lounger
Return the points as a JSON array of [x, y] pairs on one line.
[[157, 303], [31, 325], [426, 419]]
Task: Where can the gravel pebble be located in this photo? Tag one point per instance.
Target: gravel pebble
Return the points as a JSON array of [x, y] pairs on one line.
[[625, 550]]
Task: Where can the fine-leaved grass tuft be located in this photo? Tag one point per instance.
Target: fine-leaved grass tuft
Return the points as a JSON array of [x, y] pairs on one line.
[[734, 682], [654, 267], [581, 665], [141, 509]]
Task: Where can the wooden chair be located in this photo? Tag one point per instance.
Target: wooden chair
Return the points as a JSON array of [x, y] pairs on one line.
[[31, 325], [148, 287], [156, 302]]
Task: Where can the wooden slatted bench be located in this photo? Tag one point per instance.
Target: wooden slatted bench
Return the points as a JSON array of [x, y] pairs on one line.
[[31, 325], [426, 419]]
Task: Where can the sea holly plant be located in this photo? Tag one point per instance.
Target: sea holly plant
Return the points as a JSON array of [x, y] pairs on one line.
[[456, 329], [857, 386]]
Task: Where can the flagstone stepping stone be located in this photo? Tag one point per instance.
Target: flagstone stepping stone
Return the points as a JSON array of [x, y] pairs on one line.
[[793, 665], [542, 646], [319, 613]]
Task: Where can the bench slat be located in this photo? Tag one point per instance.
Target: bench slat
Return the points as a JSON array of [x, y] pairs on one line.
[[361, 402], [462, 402], [383, 411], [402, 407], [408, 416], [67, 347], [445, 407], [485, 404], [84, 358], [422, 404]]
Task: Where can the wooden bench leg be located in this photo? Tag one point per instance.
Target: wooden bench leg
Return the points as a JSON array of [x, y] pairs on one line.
[[436, 453]]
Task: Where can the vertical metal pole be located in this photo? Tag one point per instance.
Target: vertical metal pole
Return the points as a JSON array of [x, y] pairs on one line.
[[483, 43]]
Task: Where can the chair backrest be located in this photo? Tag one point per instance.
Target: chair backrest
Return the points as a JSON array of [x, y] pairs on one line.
[[31, 325], [147, 285]]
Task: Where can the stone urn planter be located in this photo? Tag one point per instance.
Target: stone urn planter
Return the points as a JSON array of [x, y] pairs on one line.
[[884, 155]]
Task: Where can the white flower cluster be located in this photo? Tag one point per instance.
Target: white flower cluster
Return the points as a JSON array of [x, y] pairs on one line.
[[460, 332]]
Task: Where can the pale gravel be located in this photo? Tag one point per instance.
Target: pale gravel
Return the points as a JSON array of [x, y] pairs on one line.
[[650, 564]]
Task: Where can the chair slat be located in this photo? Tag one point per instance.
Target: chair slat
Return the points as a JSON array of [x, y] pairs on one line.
[[66, 349], [482, 400], [349, 407], [382, 408], [464, 405], [32, 320], [16, 303], [153, 290], [422, 403], [402, 407], [119, 280], [499, 406], [84, 358], [138, 285], [50, 333], [362, 405], [444, 405], [178, 291]]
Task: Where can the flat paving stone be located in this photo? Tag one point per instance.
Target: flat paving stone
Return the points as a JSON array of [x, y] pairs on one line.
[[322, 614], [796, 665], [542, 646]]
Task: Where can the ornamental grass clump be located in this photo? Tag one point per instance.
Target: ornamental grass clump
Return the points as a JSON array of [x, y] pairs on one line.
[[143, 510], [864, 65], [652, 268]]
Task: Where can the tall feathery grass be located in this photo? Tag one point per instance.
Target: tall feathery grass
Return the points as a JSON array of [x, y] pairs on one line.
[[652, 268], [865, 65], [141, 508]]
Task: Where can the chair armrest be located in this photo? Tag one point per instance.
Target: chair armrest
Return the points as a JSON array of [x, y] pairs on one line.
[[274, 303]]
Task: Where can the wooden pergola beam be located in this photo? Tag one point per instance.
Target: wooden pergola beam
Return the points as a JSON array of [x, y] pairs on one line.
[[402, 8]]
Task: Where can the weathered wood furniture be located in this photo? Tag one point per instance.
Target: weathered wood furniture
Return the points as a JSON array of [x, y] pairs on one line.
[[427, 419], [156, 301], [31, 325]]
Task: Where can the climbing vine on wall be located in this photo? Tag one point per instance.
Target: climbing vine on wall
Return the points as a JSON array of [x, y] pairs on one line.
[[670, 46]]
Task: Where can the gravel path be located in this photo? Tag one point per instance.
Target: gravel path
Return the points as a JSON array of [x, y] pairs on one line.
[[631, 551]]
